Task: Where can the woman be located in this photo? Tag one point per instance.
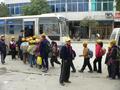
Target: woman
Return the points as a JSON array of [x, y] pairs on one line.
[[98, 54], [114, 64]]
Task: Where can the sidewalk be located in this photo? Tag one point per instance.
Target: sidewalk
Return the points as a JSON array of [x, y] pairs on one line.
[[90, 41]]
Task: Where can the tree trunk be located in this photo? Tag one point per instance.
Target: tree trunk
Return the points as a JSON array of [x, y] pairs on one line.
[[89, 32]]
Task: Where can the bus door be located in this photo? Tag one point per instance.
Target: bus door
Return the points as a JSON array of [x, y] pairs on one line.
[[29, 27]]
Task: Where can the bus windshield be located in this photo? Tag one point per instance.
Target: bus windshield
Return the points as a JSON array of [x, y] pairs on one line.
[[64, 28], [50, 27]]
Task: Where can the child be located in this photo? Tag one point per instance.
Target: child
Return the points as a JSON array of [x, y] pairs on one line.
[[86, 58], [24, 45], [12, 46], [55, 53], [31, 51], [37, 52], [107, 60]]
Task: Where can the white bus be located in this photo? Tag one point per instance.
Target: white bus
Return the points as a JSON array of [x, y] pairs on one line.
[[54, 26]]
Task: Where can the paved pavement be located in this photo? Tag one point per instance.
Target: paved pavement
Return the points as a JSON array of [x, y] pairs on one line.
[[15, 75]]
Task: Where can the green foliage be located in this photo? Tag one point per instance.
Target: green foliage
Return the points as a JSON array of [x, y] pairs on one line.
[[89, 22], [118, 5], [36, 7], [3, 10]]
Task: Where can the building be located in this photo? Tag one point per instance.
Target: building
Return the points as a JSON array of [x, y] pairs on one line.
[[75, 11]]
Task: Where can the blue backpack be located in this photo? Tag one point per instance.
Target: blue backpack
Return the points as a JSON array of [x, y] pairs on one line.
[[90, 53]]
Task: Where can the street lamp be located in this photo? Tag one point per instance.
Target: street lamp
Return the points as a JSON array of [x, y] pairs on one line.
[[114, 10]]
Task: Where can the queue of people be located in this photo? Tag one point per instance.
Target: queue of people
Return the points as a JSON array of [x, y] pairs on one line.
[[36, 51]]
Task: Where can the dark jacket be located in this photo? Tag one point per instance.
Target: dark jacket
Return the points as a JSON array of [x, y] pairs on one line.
[[107, 56], [44, 48], [2, 46], [66, 53], [20, 40], [12, 45], [113, 53]]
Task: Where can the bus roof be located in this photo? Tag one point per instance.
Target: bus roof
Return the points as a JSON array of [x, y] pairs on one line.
[[33, 16]]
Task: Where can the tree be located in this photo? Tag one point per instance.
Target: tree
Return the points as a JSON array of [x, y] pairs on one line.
[[90, 23], [118, 5], [4, 11], [36, 7]]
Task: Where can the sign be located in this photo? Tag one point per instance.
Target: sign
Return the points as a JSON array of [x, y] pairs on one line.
[[117, 15]]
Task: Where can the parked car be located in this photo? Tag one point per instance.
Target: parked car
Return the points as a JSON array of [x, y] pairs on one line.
[[116, 35]]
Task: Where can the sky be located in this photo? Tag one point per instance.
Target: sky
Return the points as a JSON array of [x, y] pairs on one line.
[[1, 0]]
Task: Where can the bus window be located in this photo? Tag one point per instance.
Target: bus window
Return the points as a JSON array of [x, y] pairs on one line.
[[41, 29], [11, 29], [52, 30]]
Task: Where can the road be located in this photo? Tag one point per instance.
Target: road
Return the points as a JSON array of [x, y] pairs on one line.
[[15, 75]]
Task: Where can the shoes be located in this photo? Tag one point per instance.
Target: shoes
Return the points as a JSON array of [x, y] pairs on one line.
[[3, 62], [80, 71], [40, 66], [31, 66], [67, 81], [90, 71], [73, 71], [62, 84], [99, 72], [45, 70], [95, 70]]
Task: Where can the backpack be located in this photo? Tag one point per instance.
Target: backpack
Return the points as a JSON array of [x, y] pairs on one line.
[[73, 54], [103, 51], [90, 53], [118, 54], [48, 48]]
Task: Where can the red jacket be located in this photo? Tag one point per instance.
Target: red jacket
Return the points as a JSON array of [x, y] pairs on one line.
[[98, 49]]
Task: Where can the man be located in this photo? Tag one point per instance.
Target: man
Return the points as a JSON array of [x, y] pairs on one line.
[[66, 56], [20, 54], [44, 51], [3, 49], [12, 46]]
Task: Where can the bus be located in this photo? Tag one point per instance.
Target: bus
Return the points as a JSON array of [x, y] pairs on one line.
[[54, 26]]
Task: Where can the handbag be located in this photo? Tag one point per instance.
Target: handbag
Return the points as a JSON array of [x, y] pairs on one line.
[[39, 60]]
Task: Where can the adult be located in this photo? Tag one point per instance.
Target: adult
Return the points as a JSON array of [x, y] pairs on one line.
[[3, 49], [114, 64], [44, 51], [98, 54], [19, 43], [66, 56]]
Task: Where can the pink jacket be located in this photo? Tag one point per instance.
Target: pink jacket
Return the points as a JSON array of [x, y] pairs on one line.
[[98, 49]]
